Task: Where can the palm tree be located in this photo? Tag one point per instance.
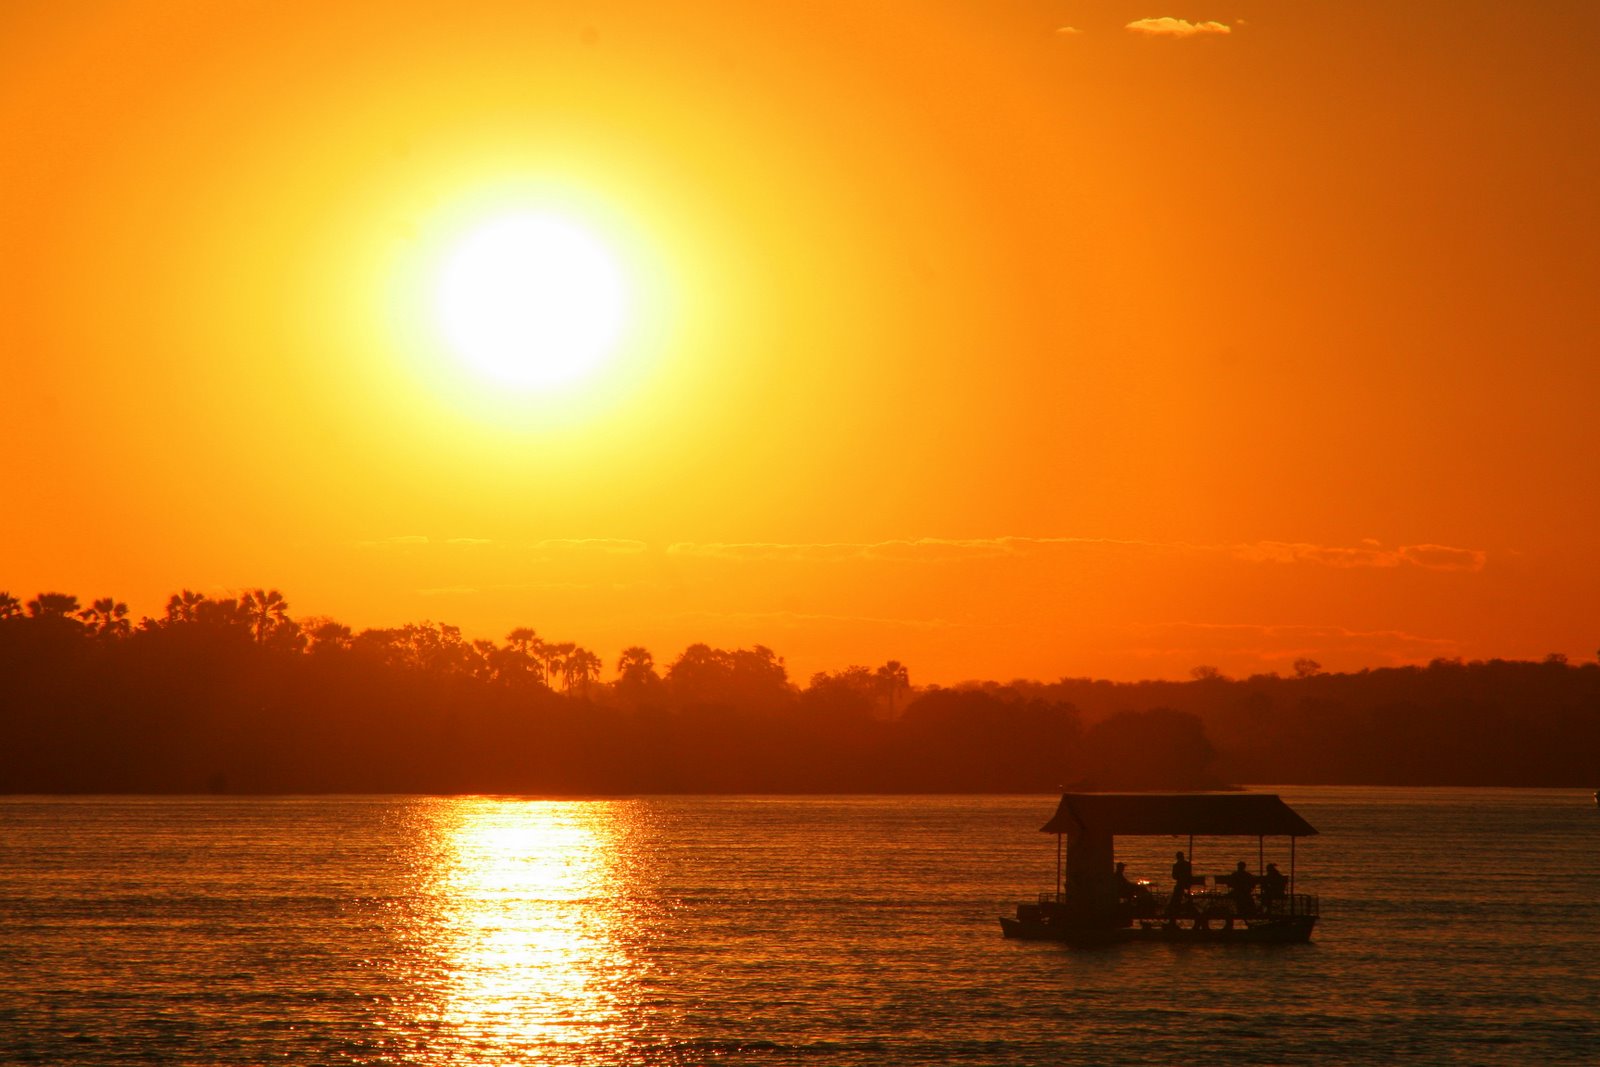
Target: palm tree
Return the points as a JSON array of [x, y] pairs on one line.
[[53, 606], [107, 618], [581, 667], [636, 665], [524, 647], [224, 614], [893, 679], [489, 660], [184, 606], [522, 639], [268, 613], [329, 635], [637, 680], [554, 658], [10, 606]]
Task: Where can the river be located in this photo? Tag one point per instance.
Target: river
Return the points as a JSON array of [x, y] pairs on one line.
[[1459, 926]]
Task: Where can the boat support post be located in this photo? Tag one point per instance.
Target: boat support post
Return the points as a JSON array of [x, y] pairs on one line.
[[1060, 888]]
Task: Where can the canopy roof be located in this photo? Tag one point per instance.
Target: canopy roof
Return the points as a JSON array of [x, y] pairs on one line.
[[1198, 814]]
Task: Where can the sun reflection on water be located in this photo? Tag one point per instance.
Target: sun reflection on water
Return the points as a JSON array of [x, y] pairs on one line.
[[530, 925]]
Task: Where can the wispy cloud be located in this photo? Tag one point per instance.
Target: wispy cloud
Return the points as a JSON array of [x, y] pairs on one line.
[[1068, 31], [942, 549], [801, 618], [393, 542], [1367, 554], [1444, 557], [611, 546], [1171, 27], [413, 540], [1275, 644], [921, 549], [614, 546]]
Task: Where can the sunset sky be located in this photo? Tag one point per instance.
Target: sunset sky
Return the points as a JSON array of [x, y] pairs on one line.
[[1006, 339]]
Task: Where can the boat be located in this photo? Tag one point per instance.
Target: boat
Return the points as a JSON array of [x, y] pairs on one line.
[[1093, 903]]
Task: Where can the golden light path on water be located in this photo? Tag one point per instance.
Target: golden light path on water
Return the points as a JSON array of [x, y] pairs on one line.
[[529, 905]]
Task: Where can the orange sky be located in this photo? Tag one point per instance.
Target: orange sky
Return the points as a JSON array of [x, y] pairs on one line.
[[1014, 339]]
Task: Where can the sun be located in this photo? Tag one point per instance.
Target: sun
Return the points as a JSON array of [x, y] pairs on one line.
[[532, 300]]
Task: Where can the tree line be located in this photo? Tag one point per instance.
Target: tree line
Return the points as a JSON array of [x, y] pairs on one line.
[[234, 694]]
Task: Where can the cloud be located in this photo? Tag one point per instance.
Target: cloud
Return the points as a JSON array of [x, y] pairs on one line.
[[1171, 27], [946, 550], [389, 542], [409, 540], [1367, 554], [801, 618], [610, 546], [1443, 557], [613, 546], [910, 550], [952, 550], [1278, 644], [1068, 31]]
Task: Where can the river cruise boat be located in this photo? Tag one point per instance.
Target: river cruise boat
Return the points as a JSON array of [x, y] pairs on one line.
[[1094, 903]]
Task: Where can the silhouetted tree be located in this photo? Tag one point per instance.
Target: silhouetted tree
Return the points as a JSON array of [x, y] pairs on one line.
[[207, 696], [893, 679], [850, 693], [1305, 667], [184, 606], [523, 661], [554, 655], [747, 679], [327, 636], [53, 606], [107, 618], [637, 683], [579, 668], [268, 615], [981, 740], [1156, 749]]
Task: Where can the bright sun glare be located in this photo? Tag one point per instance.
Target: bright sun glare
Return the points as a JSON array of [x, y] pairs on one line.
[[532, 300]]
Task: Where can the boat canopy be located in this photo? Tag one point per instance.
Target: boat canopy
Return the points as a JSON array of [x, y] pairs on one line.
[[1176, 814]]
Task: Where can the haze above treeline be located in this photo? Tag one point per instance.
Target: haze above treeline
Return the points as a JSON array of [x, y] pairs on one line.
[[233, 694]]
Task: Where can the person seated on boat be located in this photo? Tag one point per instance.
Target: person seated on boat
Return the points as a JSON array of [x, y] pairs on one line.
[[1273, 884], [1239, 884], [1182, 879], [1126, 890]]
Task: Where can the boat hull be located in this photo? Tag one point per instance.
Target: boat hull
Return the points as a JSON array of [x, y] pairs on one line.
[[1286, 930]]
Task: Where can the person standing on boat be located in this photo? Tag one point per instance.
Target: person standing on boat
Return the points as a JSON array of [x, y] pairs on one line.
[[1240, 882], [1182, 879]]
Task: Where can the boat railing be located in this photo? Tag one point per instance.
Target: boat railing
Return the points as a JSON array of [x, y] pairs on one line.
[[1220, 904], [1209, 903], [1294, 904]]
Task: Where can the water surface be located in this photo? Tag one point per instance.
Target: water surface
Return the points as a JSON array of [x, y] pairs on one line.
[[1460, 926]]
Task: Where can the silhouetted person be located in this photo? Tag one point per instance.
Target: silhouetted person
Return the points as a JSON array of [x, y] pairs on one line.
[[1125, 888], [1273, 884], [1240, 882], [1182, 879]]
